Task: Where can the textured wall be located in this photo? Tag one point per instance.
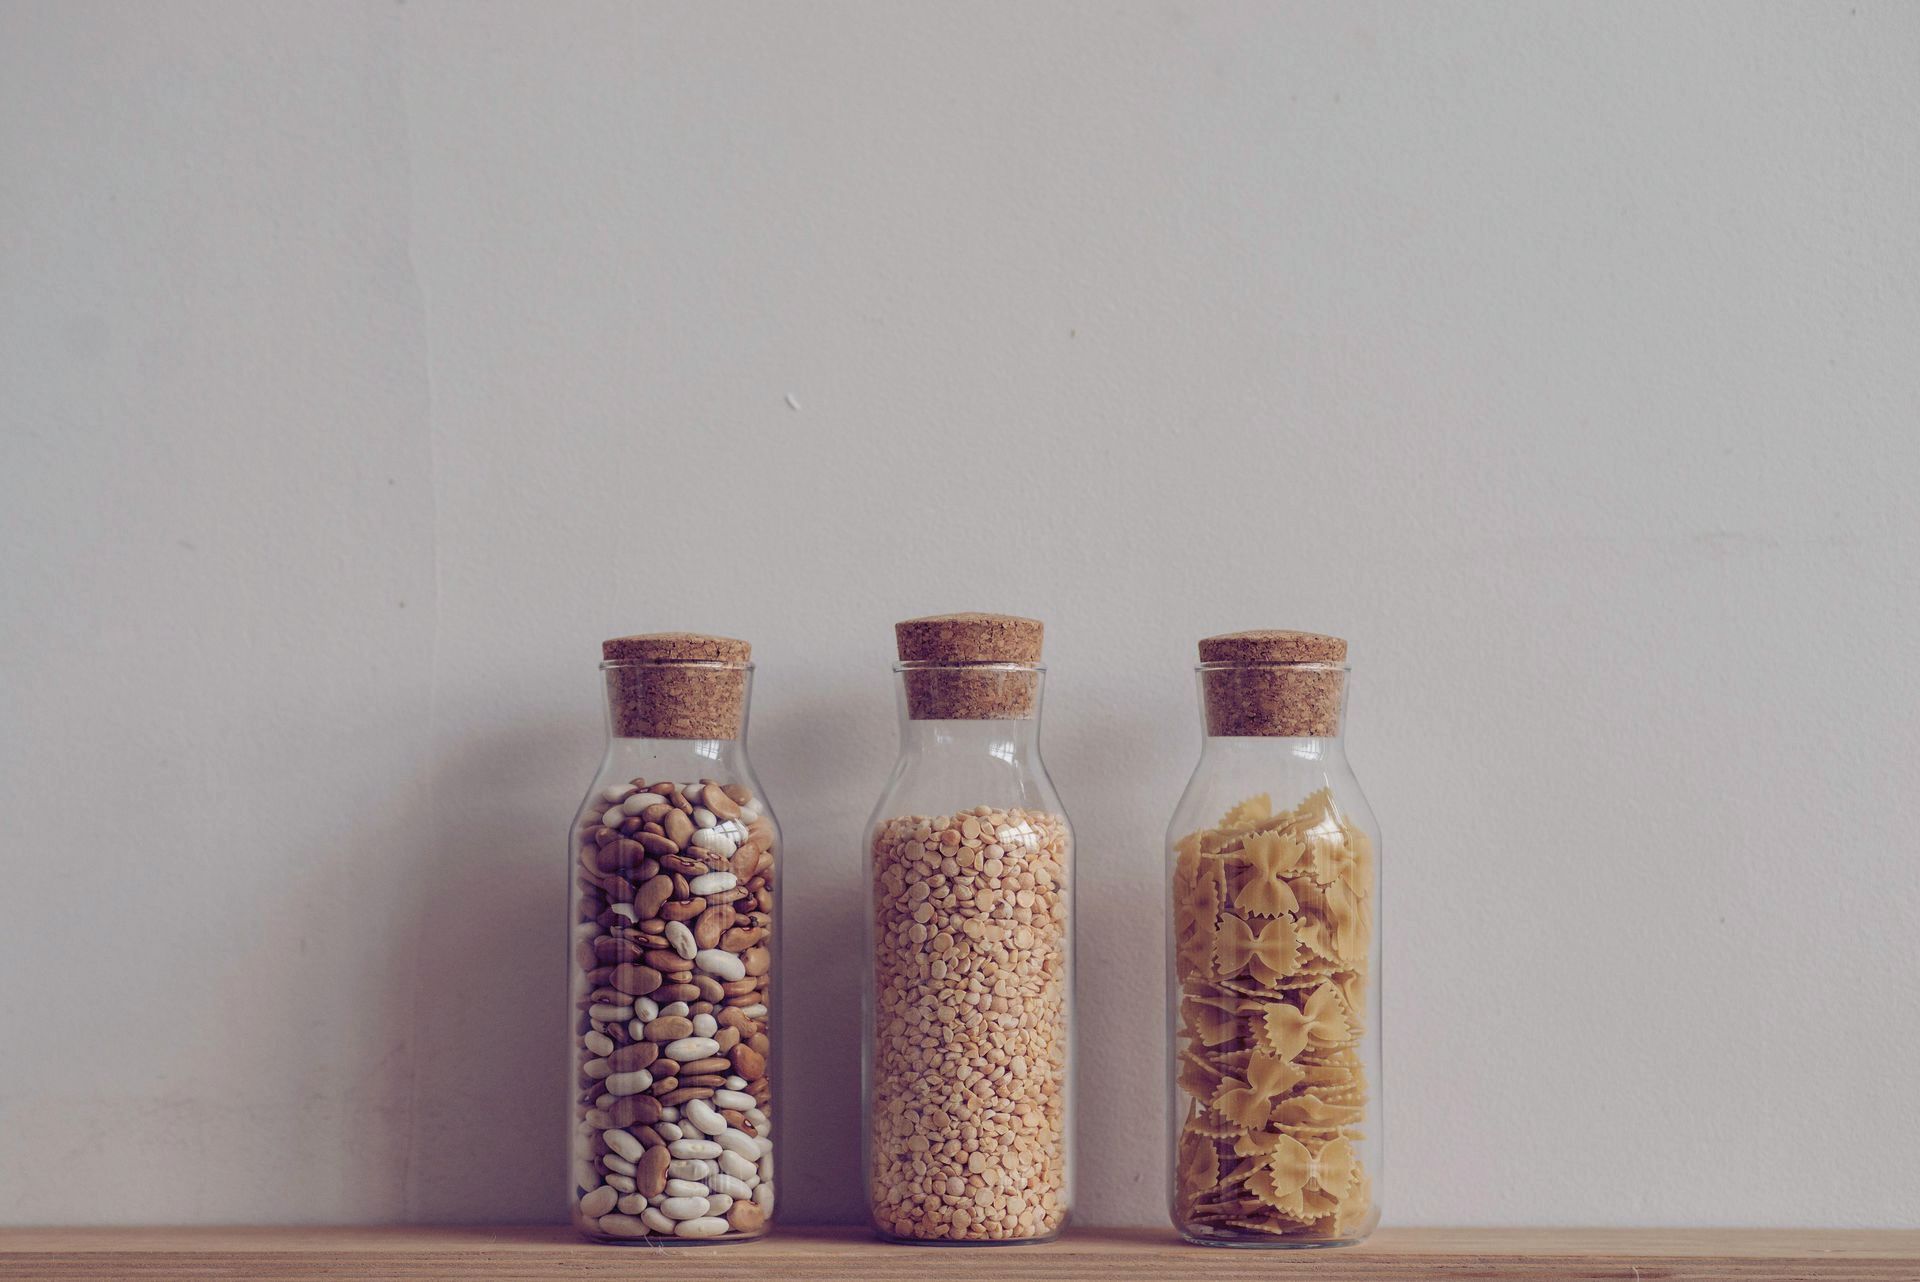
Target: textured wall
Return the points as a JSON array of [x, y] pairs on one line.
[[365, 365]]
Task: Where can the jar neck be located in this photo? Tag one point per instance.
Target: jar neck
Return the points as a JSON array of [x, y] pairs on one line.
[[674, 760], [1228, 749], [677, 702], [1273, 701], [970, 710], [1013, 742]]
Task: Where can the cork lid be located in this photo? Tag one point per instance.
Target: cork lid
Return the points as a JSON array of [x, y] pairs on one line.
[[977, 667], [676, 685], [969, 638], [1273, 645], [675, 647], [1273, 683]]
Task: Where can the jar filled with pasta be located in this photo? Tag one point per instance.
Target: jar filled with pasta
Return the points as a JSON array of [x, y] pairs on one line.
[[671, 874], [1273, 948], [970, 917]]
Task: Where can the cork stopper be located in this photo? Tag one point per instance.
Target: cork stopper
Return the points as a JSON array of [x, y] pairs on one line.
[[966, 677], [676, 685], [1257, 689]]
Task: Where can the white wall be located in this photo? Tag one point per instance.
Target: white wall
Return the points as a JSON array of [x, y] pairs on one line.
[[365, 365]]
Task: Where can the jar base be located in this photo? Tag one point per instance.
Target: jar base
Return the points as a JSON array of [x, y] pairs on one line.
[[668, 1239], [896, 1239], [1268, 1241]]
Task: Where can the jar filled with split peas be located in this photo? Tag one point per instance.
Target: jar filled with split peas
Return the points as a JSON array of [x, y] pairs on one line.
[[671, 881], [1274, 948], [969, 1018]]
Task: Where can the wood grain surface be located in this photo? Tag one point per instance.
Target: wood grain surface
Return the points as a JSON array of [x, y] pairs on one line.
[[1084, 1255]]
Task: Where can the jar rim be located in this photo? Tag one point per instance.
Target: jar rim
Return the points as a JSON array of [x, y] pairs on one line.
[[717, 665], [970, 665], [1228, 665]]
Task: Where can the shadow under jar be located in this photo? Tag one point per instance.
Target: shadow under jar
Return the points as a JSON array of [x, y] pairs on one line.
[[969, 1018], [1273, 948], [672, 881]]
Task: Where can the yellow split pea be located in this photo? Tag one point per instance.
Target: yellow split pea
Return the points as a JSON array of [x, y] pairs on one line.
[[969, 1131]]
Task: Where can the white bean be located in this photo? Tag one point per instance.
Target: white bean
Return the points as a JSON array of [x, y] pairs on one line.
[[737, 1166], [609, 1014], [690, 1168], [676, 1008], [624, 1183], [629, 1083], [718, 1204], [623, 910], [756, 1011], [597, 1068], [670, 1113], [680, 939], [669, 1131], [704, 818], [599, 1118], [633, 1204], [739, 1141], [617, 793], [656, 1221], [688, 1188], [599, 1043], [618, 1165], [625, 1144], [763, 1145], [637, 1029], [749, 813], [721, 964], [699, 1148], [713, 883], [713, 842], [614, 817], [758, 1117], [687, 1048], [684, 1208], [639, 801], [621, 1226], [694, 792], [739, 1101], [601, 1201], [705, 1226], [646, 1008], [763, 1196], [704, 1118], [735, 1082], [736, 1189], [705, 1025]]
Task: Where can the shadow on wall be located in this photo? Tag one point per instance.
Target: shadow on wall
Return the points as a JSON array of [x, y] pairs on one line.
[[487, 967], [822, 808]]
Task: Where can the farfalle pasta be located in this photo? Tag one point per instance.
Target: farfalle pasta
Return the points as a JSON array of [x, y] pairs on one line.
[[1273, 923]]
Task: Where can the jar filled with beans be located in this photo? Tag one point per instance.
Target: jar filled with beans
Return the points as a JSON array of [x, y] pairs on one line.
[[671, 868], [970, 859]]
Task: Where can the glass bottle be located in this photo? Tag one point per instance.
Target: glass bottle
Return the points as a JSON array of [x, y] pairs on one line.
[[969, 1019], [671, 880], [1273, 952]]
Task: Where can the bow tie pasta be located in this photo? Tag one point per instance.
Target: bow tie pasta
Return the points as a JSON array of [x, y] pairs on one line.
[[1273, 918]]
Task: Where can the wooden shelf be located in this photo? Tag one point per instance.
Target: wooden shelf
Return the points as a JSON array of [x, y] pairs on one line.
[[1084, 1255]]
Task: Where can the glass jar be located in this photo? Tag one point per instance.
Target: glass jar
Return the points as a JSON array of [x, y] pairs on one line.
[[1273, 948], [969, 1019], [671, 880]]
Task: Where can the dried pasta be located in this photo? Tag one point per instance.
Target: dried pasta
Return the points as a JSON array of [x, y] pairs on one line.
[[1273, 923]]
